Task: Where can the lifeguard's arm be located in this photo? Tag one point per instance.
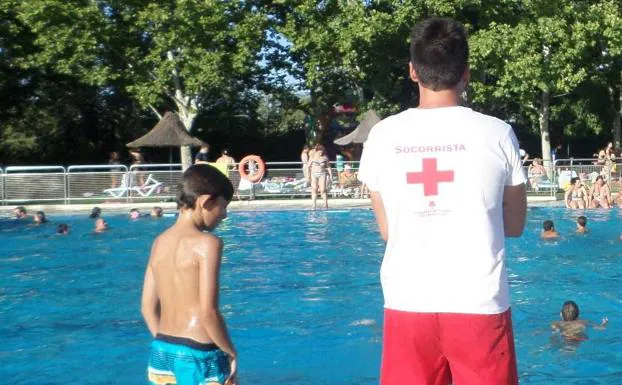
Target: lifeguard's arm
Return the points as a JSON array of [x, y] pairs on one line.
[[381, 216], [514, 210], [150, 302], [209, 287]]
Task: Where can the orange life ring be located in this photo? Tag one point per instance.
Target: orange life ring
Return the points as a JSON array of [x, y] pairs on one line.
[[259, 172]]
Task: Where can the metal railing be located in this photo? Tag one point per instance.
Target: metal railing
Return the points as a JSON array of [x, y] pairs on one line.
[[34, 184], [144, 182], [587, 170]]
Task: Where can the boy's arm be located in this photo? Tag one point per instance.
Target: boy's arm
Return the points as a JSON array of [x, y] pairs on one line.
[[150, 302], [209, 287]]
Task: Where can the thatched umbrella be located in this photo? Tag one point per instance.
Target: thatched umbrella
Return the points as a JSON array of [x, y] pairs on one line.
[[169, 132], [360, 133]]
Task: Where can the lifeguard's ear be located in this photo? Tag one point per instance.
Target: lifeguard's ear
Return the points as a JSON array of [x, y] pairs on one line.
[[204, 201], [412, 73]]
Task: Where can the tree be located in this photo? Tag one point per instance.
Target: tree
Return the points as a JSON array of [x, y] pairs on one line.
[[604, 25], [532, 61], [181, 55]]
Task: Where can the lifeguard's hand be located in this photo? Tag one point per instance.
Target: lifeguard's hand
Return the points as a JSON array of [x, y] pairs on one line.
[[233, 377]]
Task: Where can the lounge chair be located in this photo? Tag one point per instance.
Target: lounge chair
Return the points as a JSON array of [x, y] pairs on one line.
[[151, 185], [118, 192]]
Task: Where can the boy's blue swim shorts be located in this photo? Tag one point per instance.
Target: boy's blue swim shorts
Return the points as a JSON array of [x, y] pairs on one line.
[[183, 361]]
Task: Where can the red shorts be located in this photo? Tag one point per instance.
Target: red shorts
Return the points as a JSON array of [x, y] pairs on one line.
[[438, 348]]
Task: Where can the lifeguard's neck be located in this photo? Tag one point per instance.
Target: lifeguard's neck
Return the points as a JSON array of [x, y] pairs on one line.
[[438, 99]]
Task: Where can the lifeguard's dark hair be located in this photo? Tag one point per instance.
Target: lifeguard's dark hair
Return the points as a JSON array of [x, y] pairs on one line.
[[570, 311], [439, 52], [202, 179]]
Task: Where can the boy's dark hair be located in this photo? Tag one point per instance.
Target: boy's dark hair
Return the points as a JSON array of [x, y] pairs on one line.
[[158, 210], [439, 52], [548, 225], [133, 210], [570, 311], [95, 213], [21, 209], [62, 228], [582, 221], [600, 177], [573, 181], [201, 179]]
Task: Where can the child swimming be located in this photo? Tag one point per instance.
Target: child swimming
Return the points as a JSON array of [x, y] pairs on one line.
[[571, 327], [180, 293], [100, 225], [40, 218], [134, 214], [549, 230], [582, 225], [156, 212]]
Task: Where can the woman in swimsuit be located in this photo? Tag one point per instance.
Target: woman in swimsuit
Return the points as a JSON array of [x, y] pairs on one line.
[[600, 194], [536, 173], [319, 170], [576, 196]]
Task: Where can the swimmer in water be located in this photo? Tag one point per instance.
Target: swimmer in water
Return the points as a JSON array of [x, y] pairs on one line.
[[100, 225], [582, 225], [156, 212], [549, 230], [40, 218], [96, 212], [180, 290], [134, 214], [62, 229], [571, 327], [20, 212]]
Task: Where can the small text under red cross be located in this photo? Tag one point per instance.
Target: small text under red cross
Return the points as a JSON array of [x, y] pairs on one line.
[[430, 177]]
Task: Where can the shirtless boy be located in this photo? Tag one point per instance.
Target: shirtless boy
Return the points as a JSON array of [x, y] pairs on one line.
[[571, 327], [548, 231], [180, 293]]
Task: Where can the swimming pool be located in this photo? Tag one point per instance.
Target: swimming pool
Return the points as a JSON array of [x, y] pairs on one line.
[[300, 292]]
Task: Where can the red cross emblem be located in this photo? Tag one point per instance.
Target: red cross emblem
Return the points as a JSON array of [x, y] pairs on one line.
[[430, 177]]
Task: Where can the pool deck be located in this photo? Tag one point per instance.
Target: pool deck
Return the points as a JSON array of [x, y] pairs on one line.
[[246, 205]]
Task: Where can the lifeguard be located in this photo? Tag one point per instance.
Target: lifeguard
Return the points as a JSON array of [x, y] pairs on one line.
[[447, 317]]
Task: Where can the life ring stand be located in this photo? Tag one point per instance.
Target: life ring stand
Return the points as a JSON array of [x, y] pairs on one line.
[[259, 173]]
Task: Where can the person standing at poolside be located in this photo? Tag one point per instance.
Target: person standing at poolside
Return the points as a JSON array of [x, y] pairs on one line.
[[202, 156], [304, 159], [180, 293], [321, 174], [436, 170]]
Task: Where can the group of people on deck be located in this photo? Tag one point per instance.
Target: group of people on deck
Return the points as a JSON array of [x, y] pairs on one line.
[[578, 196]]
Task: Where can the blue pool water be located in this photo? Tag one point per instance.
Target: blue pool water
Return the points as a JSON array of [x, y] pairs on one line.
[[300, 293]]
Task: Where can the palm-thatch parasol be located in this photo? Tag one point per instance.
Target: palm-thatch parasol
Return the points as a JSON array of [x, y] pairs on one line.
[[360, 133], [169, 132]]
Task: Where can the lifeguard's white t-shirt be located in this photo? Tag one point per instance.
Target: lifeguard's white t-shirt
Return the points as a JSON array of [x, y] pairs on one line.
[[441, 175]]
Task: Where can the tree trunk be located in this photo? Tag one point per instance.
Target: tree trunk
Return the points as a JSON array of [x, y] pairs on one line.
[[543, 118], [187, 118], [323, 125]]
